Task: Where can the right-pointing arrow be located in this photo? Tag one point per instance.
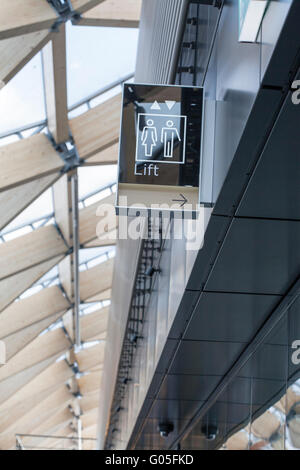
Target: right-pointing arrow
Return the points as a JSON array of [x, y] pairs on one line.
[[183, 200]]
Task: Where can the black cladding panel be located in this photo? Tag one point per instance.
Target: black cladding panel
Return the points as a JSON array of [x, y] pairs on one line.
[[229, 317], [259, 256], [274, 189], [205, 358]]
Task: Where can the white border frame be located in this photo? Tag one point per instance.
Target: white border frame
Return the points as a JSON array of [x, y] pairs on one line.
[[161, 161]]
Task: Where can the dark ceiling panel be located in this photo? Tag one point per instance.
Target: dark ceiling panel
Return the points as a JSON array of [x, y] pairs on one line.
[[189, 387], [274, 188], [258, 256], [229, 317], [283, 57], [251, 144], [247, 390], [184, 312], [215, 232], [166, 357], [294, 321], [155, 384], [230, 413], [269, 363], [173, 410], [205, 358]]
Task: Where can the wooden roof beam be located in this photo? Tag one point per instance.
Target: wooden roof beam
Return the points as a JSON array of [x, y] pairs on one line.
[[35, 391], [100, 296], [38, 412], [58, 419], [16, 52], [25, 320], [90, 402], [90, 419], [28, 160], [55, 80], [10, 386], [18, 17], [94, 325], [90, 384], [19, 340], [98, 225], [32, 310], [113, 13], [108, 156], [30, 250], [97, 129], [14, 286], [81, 6], [42, 348], [15, 200], [91, 358], [96, 280]]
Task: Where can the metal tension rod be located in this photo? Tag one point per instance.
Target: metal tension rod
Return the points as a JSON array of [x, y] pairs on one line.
[[76, 246]]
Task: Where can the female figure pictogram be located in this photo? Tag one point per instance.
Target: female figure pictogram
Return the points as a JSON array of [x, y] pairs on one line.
[[149, 138]]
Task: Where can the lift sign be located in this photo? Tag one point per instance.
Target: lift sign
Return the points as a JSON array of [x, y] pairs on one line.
[[160, 146]]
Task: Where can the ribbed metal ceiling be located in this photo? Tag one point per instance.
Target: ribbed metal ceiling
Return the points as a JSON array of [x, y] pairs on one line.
[[161, 28]]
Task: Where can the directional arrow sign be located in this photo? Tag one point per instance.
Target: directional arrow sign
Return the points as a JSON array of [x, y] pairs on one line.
[[183, 200], [170, 104]]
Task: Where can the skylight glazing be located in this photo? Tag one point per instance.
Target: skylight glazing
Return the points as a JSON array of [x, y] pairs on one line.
[[22, 100], [97, 57]]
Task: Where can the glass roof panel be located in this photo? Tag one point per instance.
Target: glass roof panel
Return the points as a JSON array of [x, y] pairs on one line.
[[43, 206], [97, 57], [22, 100], [94, 178]]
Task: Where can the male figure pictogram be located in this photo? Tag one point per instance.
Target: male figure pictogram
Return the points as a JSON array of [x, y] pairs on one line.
[[168, 136]]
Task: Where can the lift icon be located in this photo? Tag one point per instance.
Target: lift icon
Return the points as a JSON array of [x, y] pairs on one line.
[[161, 138]]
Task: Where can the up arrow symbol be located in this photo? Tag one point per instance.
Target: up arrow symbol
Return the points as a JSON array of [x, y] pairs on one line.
[[155, 106]]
